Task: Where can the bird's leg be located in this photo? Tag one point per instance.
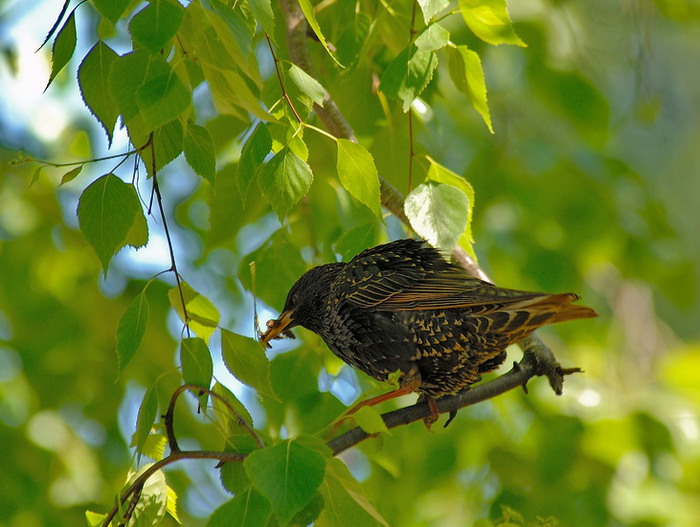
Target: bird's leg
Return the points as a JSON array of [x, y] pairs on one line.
[[434, 412]]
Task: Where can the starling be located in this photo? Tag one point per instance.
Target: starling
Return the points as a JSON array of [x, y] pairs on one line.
[[402, 307]]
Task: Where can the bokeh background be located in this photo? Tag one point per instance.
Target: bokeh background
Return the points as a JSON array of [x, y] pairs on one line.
[[590, 184]]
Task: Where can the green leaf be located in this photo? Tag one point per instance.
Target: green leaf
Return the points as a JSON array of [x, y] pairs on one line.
[[229, 422], [146, 417], [131, 329], [203, 317], [370, 420], [112, 10], [356, 240], [167, 142], [468, 76], [438, 214], [63, 48], [106, 211], [310, 15], [430, 8], [161, 99], [245, 359], [137, 236], [70, 175], [408, 74], [197, 366], [231, 93], [199, 152], [489, 20], [253, 154], [156, 24], [284, 180], [441, 174], [94, 519], [359, 175], [53, 29], [153, 499], [288, 475], [262, 12], [432, 38], [307, 84], [247, 509], [93, 78], [345, 501], [154, 446]]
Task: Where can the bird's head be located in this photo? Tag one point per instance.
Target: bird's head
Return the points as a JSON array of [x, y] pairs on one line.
[[305, 302]]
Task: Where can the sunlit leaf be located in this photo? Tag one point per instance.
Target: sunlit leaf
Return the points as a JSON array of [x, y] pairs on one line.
[[284, 180], [262, 12], [106, 212], [131, 329], [370, 420], [468, 76], [153, 499], [438, 213], [310, 15], [156, 24], [307, 84], [489, 20], [432, 38], [358, 174], [408, 74], [93, 79], [94, 519], [63, 48], [202, 315], [247, 509], [430, 8], [253, 154], [199, 152], [287, 474], [245, 359]]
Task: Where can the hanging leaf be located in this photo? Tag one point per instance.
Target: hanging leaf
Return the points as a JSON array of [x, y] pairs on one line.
[[146, 417], [93, 79], [310, 15], [106, 211], [262, 12], [307, 84], [63, 48], [246, 360], [203, 316], [430, 8], [254, 152], [71, 175], [131, 329], [156, 24], [247, 509], [408, 74], [161, 99], [359, 175], [197, 366], [432, 38], [467, 74], [489, 20], [284, 180], [112, 10], [199, 152]]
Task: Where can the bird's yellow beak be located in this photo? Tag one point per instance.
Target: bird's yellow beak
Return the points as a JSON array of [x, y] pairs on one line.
[[277, 327]]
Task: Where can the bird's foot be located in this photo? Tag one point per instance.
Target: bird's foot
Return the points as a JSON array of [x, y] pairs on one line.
[[542, 359]]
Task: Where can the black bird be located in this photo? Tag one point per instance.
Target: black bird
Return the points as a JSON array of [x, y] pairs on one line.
[[402, 307]]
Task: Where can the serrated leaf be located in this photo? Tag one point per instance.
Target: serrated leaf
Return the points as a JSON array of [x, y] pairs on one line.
[[489, 20], [432, 38], [153, 498], [63, 48], [370, 420], [307, 84], [93, 79], [359, 175], [161, 99], [245, 359], [247, 509], [146, 417], [345, 501], [262, 12], [112, 10], [253, 154], [203, 317], [468, 76], [197, 365], [156, 24], [287, 474], [430, 8], [167, 143], [310, 15], [199, 152], [438, 213], [131, 329], [126, 75], [231, 93], [284, 180], [106, 212], [70, 175], [408, 74], [229, 422], [154, 446], [171, 504], [53, 29]]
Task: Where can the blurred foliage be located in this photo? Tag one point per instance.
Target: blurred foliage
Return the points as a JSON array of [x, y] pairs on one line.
[[588, 184]]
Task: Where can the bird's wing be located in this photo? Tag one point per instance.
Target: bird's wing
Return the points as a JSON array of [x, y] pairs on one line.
[[409, 275]]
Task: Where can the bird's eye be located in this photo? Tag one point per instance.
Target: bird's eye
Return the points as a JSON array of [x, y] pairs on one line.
[[295, 299]]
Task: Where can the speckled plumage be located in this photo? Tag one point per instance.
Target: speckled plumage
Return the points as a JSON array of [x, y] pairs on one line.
[[401, 306]]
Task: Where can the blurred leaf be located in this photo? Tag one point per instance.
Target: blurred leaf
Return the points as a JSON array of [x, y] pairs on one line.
[[287, 474], [93, 79], [199, 152], [468, 76], [202, 315], [489, 21], [71, 175], [358, 174], [284, 180], [438, 214], [247, 509], [430, 8], [356, 240], [63, 48], [131, 328], [156, 24], [245, 359], [370, 420], [432, 38], [106, 211], [146, 417]]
